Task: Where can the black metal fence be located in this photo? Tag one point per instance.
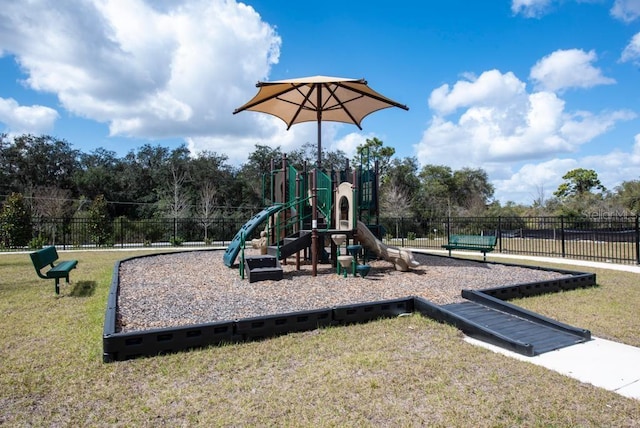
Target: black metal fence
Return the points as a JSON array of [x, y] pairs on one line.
[[613, 239], [609, 239], [124, 233]]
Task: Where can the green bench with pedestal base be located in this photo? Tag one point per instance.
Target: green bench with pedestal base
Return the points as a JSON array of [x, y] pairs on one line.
[[47, 257], [484, 244]]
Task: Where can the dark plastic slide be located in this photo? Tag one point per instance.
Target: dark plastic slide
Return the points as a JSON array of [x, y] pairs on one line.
[[233, 249]]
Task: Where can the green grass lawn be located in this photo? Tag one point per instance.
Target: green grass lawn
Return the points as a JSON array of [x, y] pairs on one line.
[[408, 371]]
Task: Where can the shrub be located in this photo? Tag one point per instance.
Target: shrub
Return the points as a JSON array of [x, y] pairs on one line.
[[99, 222], [37, 242], [16, 228]]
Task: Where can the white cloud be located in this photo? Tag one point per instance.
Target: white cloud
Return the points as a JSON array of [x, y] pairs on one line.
[[497, 130], [529, 127], [533, 181], [570, 68], [539, 8], [269, 131], [26, 119], [350, 142], [616, 166], [530, 8], [632, 50], [492, 87], [582, 127], [626, 10], [148, 69]]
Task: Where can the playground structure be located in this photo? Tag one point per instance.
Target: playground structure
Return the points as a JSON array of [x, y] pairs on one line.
[[306, 210]]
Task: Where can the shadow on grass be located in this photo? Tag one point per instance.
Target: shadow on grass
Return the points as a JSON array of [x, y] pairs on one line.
[[83, 289]]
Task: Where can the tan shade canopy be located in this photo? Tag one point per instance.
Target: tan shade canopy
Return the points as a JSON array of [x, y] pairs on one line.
[[296, 100], [317, 99]]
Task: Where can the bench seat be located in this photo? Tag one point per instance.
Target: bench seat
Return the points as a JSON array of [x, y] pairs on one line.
[[47, 257], [483, 243], [61, 270]]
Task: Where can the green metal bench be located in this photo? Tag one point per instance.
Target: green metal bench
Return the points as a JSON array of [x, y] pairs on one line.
[[47, 257], [484, 244]]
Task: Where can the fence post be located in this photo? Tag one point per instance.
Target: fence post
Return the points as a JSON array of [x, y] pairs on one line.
[[499, 234], [63, 233], [638, 239], [448, 227], [175, 230], [562, 235]]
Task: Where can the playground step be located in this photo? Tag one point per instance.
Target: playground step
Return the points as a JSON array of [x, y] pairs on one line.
[[262, 268]]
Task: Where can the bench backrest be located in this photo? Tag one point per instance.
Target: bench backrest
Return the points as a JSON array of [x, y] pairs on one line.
[[44, 257], [481, 241]]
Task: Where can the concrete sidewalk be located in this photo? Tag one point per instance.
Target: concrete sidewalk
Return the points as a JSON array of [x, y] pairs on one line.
[[599, 362]]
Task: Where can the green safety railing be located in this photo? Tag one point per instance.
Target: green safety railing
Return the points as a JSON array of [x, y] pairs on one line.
[[323, 186]]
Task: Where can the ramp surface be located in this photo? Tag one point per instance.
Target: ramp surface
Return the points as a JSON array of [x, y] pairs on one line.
[[249, 227], [531, 334]]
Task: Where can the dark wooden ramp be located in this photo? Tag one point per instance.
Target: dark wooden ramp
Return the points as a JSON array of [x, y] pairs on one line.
[[529, 333]]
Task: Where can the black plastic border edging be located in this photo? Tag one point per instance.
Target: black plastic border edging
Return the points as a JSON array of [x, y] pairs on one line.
[[576, 279], [124, 346]]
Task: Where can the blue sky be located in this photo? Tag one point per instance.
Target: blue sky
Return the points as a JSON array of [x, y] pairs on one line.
[[525, 89]]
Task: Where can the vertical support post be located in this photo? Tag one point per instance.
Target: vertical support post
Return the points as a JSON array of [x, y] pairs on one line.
[[356, 202], [319, 119], [563, 252], [298, 220], [314, 223], [272, 194], [175, 230], [638, 239], [64, 235], [304, 194], [499, 234], [242, 238], [449, 230], [285, 196], [376, 191]]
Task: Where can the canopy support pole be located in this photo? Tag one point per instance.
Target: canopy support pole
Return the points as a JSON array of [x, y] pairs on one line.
[[314, 222], [319, 114]]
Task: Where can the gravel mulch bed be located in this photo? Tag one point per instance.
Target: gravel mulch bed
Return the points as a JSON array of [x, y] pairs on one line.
[[195, 287]]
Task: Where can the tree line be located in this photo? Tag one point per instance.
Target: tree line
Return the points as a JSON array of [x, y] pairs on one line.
[[55, 180]]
